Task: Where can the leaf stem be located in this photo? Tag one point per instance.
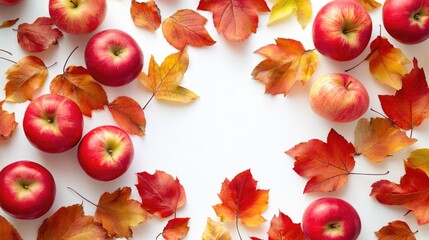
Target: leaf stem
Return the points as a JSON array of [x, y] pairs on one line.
[[379, 113], [150, 99], [68, 58], [369, 174], [8, 60], [84, 198], [2, 50], [157, 236], [238, 229]]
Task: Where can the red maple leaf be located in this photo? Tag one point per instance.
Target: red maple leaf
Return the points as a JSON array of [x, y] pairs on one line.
[[282, 228]]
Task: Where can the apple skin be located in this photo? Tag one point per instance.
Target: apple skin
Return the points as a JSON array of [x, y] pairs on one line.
[[407, 21], [77, 16], [105, 152], [53, 123], [27, 189], [9, 2], [113, 58], [339, 97], [331, 219], [342, 30]]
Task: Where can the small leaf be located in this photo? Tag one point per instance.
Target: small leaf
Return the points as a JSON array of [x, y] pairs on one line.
[[9, 23], [419, 159], [284, 8], [7, 124], [38, 36], [128, 114], [176, 229], [369, 5], [396, 230], [7, 230], [25, 77], [282, 228], [146, 14], [215, 231]]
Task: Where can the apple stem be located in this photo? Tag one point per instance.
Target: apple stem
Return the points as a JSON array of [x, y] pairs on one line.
[[7, 59], [84, 198], [369, 174], [67, 60], [2, 50]]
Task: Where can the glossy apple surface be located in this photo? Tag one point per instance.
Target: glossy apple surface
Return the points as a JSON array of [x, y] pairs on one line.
[[105, 153], [407, 21], [53, 123], [342, 30], [113, 57], [77, 16], [9, 2], [27, 189], [339, 97], [331, 219]]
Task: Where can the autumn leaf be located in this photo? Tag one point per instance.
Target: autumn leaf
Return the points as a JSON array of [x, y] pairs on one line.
[[409, 107], [328, 165], [7, 123], [38, 36], [242, 200], [118, 214], [77, 84], [186, 27], [287, 62], [282, 228], [215, 231], [163, 81], [412, 192], [24, 78], [369, 5], [146, 14], [176, 229], [71, 223], [8, 23], [377, 138], [128, 114], [396, 230], [7, 230], [161, 194], [235, 19], [284, 8], [419, 158]]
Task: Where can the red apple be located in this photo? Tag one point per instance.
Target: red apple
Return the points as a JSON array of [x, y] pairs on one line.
[[113, 57], [342, 30], [27, 189], [9, 2], [77, 16], [105, 153], [53, 123], [339, 97], [407, 21], [331, 219]]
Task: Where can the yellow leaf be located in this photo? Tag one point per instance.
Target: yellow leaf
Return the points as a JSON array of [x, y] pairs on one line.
[[215, 231], [284, 8], [369, 5], [419, 159]]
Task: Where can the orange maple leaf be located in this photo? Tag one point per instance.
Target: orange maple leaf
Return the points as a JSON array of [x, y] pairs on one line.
[[186, 27], [235, 19], [328, 165], [396, 230], [8, 23], [176, 229], [377, 138], [146, 14], [8, 231], [242, 200], [287, 62], [282, 228], [7, 123], [118, 214], [25, 77], [38, 36], [128, 114]]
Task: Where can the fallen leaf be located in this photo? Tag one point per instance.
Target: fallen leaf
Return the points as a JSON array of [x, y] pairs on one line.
[[176, 229], [378, 138], [235, 19], [146, 14], [163, 81], [8, 231], [328, 165], [9, 23], [369, 5], [24, 78], [242, 200], [215, 231], [284, 8], [287, 62], [161, 194], [282, 228], [118, 214], [7, 123], [186, 27], [128, 114], [396, 230], [419, 158], [38, 36], [77, 84]]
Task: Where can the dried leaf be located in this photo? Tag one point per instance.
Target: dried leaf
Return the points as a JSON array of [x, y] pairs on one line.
[[284, 8], [396, 230], [146, 14], [128, 114], [282, 228], [8, 231], [215, 231], [161, 194], [25, 77], [369, 5], [377, 138], [186, 27], [38, 36], [419, 159], [176, 229], [9, 23], [7, 123], [77, 84], [235, 19], [328, 165], [287, 62], [242, 200], [163, 81]]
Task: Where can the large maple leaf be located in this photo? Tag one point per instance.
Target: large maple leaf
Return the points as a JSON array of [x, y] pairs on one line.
[[328, 165], [287, 62], [38, 36], [7, 123], [241, 199], [235, 19], [396, 230], [412, 192], [282, 228], [8, 231], [284, 8]]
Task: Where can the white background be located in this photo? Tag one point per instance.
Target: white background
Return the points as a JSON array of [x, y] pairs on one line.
[[233, 126]]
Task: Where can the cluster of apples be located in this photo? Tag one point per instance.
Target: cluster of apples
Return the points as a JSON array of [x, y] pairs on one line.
[[341, 31], [54, 123]]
